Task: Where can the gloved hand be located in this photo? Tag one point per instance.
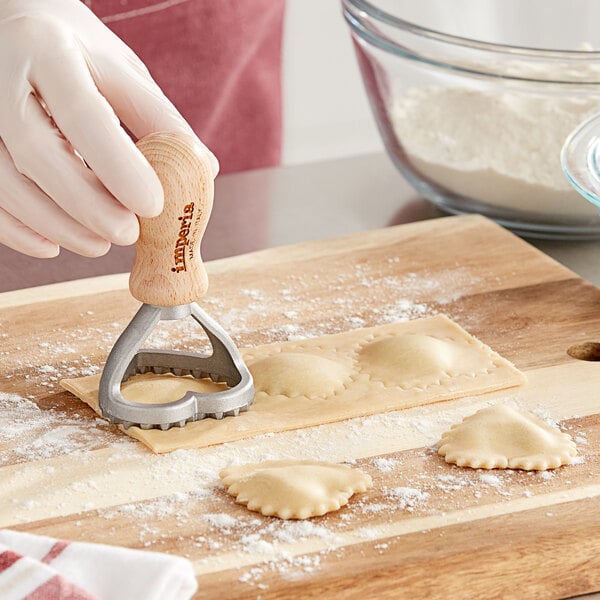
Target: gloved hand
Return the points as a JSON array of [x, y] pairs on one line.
[[69, 174]]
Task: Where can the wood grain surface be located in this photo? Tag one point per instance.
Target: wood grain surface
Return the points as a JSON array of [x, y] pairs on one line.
[[168, 269], [426, 529]]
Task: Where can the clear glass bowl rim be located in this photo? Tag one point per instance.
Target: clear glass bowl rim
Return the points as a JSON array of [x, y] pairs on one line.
[[384, 17]]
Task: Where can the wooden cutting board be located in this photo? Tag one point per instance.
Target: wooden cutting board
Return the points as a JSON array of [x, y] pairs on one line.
[[427, 529]]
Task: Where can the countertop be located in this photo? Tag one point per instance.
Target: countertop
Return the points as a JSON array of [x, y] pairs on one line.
[[277, 206], [325, 199]]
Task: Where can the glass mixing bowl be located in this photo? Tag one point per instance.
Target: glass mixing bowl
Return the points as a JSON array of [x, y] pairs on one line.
[[475, 98]]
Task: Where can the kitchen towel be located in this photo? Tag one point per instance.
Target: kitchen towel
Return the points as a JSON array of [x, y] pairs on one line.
[[34, 567]]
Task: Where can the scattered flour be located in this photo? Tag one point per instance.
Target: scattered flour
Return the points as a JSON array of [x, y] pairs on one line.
[[29, 433], [221, 520], [408, 498], [293, 531], [254, 544], [385, 465], [490, 480], [152, 510], [375, 508], [370, 533], [450, 483]]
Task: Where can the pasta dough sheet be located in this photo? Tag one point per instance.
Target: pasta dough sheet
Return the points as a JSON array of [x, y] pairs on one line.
[[327, 379]]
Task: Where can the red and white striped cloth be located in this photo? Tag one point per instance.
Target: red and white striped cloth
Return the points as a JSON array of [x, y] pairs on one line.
[[40, 568]]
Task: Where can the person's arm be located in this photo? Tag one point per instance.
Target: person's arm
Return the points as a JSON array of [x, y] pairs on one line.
[[70, 175]]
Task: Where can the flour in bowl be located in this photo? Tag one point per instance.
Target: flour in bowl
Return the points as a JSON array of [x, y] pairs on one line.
[[502, 149]]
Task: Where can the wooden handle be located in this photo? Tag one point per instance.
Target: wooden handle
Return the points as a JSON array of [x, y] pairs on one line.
[[168, 268]]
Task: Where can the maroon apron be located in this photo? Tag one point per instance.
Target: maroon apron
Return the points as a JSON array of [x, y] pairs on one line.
[[219, 61]]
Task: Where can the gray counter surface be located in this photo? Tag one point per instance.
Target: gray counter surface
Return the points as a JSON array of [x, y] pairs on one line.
[[283, 205], [326, 199]]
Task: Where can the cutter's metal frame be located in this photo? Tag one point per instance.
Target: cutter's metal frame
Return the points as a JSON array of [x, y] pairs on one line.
[[127, 359]]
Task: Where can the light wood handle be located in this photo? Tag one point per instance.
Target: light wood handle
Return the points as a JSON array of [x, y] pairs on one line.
[[168, 268]]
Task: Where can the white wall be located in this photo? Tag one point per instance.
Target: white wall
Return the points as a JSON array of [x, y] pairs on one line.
[[325, 108]]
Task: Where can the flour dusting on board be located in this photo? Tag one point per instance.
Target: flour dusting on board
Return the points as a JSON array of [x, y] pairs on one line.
[[354, 297], [29, 433], [179, 493], [187, 509]]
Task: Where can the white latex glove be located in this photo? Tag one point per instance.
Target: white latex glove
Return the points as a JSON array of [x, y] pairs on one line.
[[65, 82]]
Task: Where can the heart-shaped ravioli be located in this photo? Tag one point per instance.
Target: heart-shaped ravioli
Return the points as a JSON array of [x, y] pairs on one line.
[[299, 374], [501, 437], [416, 359], [294, 489]]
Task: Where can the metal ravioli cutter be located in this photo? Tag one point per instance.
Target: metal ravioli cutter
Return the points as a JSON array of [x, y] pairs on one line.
[[167, 276]]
